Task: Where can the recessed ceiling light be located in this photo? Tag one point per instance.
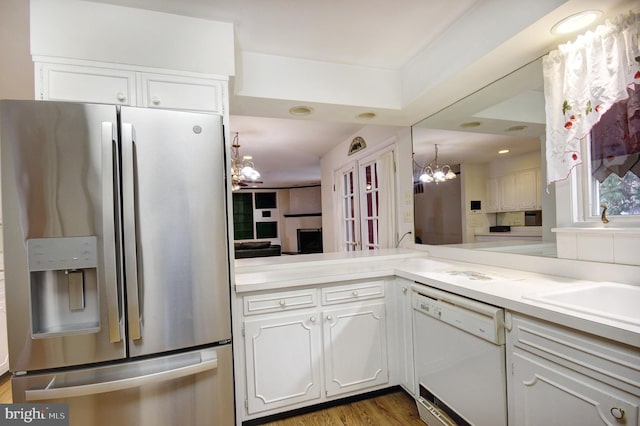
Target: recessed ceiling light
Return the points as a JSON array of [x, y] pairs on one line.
[[516, 128], [366, 115], [503, 151], [470, 124], [300, 110], [576, 22]]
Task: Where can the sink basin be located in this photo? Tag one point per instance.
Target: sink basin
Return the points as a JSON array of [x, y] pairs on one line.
[[617, 302]]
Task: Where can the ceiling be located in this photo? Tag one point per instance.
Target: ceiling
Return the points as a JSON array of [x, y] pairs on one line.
[[432, 52]]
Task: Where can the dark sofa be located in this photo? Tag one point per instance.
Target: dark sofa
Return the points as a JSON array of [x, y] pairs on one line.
[[256, 249]]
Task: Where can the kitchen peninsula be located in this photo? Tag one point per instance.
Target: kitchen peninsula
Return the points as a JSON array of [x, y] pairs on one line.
[[291, 312]]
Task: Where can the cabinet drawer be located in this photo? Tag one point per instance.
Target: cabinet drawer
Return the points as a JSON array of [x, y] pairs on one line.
[[604, 360], [181, 93], [353, 292], [87, 84], [277, 302]]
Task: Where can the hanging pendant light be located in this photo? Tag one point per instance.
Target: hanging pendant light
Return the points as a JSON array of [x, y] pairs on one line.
[[434, 173], [243, 171]]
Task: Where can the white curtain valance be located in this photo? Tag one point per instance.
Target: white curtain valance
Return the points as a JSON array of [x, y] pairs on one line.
[[582, 80]]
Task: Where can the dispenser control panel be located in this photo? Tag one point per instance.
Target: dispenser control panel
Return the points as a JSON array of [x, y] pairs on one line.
[[49, 254]]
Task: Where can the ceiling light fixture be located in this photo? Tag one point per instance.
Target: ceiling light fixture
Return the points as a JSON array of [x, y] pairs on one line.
[[503, 151], [243, 171], [470, 124], [300, 110], [366, 115], [516, 128], [434, 173], [576, 22]]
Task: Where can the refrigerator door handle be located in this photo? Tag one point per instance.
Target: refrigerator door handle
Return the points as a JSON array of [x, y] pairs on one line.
[[208, 361], [109, 234], [129, 226]]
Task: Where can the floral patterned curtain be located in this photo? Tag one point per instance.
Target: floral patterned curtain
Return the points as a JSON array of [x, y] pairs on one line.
[[582, 80]]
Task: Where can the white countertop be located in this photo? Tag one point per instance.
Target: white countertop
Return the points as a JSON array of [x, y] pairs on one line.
[[502, 287]]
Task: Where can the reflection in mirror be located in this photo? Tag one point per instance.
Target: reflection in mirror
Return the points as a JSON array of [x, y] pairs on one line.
[[494, 192]]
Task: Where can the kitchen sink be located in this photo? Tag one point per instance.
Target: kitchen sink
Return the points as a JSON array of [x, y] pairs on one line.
[[619, 302]]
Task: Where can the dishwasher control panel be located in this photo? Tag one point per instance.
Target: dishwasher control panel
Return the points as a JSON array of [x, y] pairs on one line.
[[481, 320]]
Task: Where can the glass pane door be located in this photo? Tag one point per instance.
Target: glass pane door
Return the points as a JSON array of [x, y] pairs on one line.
[[350, 210], [370, 194]]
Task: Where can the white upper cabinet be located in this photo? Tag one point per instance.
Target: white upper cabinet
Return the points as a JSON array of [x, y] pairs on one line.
[[63, 82], [182, 93], [130, 86]]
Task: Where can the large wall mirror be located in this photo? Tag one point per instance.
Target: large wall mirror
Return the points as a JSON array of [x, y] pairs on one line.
[[498, 199]]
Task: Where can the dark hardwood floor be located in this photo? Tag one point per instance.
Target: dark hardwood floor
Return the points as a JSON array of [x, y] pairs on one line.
[[395, 408]]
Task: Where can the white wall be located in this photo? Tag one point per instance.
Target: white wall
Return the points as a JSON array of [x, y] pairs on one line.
[[16, 67], [101, 32], [474, 178], [376, 137]]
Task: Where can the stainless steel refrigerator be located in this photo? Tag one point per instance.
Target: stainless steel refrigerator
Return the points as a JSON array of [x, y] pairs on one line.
[[116, 262]]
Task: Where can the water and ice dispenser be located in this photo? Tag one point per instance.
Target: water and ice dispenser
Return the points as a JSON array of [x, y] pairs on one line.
[[63, 283]]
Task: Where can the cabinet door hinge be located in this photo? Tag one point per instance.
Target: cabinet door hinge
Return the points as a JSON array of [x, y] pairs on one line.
[[513, 369], [242, 330], [246, 404]]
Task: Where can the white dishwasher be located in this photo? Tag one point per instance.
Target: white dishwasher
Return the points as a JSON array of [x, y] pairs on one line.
[[459, 359]]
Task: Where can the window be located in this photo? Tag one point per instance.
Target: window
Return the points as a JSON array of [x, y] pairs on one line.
[[614, 160], [254, 215], [242, 216]]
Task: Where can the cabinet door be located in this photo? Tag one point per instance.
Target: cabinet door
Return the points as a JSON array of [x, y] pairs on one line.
[[60, 82], [282, 361], [355, 348], [405, 335], [508, 193], [181, 93], [526, 189], [544, 393], [493, 196]]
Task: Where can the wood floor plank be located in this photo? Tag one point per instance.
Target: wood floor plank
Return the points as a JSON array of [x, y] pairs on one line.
[[396, 408], [5, 390]]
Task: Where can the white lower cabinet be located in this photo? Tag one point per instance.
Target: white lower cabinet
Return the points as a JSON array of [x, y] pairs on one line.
[[298, 353], [282, 358], [562, 377], [355, 348], [404, 334]]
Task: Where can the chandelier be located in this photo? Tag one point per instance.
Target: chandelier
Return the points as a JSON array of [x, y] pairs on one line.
[[243, 170], [434, 173]]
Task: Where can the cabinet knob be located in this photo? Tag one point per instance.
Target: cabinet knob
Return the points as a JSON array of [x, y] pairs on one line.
[[404, 290], [121, 96], [155, 100], [312, 319], [282, 303], [355, 293], [617, 413], [329, 317]]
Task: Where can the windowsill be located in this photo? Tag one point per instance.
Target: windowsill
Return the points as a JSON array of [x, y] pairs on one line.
[[601, 229]]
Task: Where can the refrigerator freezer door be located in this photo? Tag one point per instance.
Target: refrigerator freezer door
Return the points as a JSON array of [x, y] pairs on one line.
[[191, 389], [58, 179], [175, 232]]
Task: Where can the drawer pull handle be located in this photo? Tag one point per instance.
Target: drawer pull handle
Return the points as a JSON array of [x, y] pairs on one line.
[[617, 413], [155, 100], [355, 294], [282, 303], [329, 317], [121, 97], [312, 319]]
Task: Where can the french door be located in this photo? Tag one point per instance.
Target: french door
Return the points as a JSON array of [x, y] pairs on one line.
[[364, 187]]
